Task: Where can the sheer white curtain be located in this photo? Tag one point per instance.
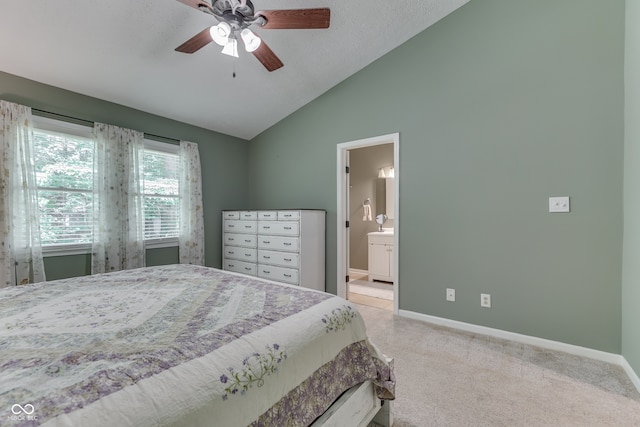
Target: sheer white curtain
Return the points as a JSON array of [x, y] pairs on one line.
[[191, 221], [20, 249], [118, 217]]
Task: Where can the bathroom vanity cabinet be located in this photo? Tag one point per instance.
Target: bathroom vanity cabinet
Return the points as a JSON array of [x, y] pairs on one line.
[[283, 246], [380, 246]]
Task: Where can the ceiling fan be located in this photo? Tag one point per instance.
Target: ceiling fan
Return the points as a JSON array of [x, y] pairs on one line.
[[236, 16]]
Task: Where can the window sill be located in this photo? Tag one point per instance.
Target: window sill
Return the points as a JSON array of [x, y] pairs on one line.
[[161, 243], [83, 249], [65, 250]]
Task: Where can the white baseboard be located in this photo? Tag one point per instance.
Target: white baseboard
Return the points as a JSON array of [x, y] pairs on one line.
[[630, 372], [527, 339]]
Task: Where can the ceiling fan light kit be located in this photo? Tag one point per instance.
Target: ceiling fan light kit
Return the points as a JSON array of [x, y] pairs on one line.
[[251, 41], [236, 16], [220, 33], [231, 48]]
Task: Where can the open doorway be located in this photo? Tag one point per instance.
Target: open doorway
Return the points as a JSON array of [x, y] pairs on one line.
[[368, 232]]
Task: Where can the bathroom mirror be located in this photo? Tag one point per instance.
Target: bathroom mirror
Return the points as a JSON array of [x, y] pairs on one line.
[[381, 219]]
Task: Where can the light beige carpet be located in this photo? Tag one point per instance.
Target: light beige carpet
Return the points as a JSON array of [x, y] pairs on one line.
[[450, 378]]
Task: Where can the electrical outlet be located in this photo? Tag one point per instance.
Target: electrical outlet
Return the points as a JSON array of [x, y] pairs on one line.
[[485, 300], [451, 294], [559, 204]]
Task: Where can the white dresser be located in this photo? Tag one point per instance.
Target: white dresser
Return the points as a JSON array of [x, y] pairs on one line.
[[282, 245]]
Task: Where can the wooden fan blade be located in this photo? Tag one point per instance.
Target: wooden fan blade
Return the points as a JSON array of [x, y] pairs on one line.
[[266, 56], [291, 19], [195, 3], [196, 42]]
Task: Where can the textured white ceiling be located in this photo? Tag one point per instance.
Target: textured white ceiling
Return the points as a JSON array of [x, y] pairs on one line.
[[123, 51]]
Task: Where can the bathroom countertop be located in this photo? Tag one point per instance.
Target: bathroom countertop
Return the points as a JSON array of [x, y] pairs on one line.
[[384, 232]]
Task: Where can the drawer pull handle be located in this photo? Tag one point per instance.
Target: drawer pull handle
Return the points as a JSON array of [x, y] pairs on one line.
[[266, 257], [287, 228], [247, 226], [247, 240], [287, 215], [247, 254], [287, 244], [288, 259], [266, 271], [231, 239], [232, 265], [248, 268], [266, 242], [266, 227], [231, 252], [287, 275], [231, 226]]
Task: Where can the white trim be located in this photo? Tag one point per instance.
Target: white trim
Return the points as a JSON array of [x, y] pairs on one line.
[[85, 248], [342, 149], [512, 336], [164, 147], [630, 372], [165, 242], [59, 126], [64, 250], [602, 356]]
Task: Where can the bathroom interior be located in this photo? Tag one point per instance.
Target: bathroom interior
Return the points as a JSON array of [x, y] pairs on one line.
[[371, 226]]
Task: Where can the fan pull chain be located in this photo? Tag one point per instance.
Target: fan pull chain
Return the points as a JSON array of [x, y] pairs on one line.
[[234, 69]]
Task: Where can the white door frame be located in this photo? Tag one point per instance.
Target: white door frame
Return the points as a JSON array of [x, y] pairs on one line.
[[343, 215]]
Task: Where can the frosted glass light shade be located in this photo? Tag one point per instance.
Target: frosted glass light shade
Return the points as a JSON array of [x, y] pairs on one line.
[[251, 41], [231, 48], [220, 33]]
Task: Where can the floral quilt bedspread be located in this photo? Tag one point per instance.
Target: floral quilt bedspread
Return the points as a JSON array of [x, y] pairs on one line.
[[178, 345]]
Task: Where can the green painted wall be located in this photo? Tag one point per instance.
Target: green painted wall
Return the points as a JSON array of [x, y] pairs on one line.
[[499, 106], [224, 160], [631, 258]]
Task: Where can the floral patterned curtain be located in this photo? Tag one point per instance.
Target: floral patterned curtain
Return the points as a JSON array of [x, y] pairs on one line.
[[20, 249], [191, 221], [118, 217]]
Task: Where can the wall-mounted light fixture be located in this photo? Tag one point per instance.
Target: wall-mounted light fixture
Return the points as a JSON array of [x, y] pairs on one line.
[[386, 172]]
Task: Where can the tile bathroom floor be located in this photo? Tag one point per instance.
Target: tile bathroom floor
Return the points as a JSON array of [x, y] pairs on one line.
[[365, 299]]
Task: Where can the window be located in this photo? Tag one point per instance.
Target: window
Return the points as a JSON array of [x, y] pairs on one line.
[[160, 189], [64, 175], [64, 171]]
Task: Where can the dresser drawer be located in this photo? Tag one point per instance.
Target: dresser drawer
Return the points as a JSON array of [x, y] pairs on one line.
[[267, 215], [279, 243], [282, 228], [248, 215], [284, 259], [242, 254], [237, 239], [230, 215], [288, 215], [279, 274], [240, 267], [240, 226]]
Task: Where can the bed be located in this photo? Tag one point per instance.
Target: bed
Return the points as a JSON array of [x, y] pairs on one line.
[[185, 345]]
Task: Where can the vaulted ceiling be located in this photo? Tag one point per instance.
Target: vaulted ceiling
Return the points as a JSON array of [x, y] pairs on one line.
[[123, 51]]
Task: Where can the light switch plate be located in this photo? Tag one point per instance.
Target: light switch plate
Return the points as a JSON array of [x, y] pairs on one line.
[[559, 204]]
